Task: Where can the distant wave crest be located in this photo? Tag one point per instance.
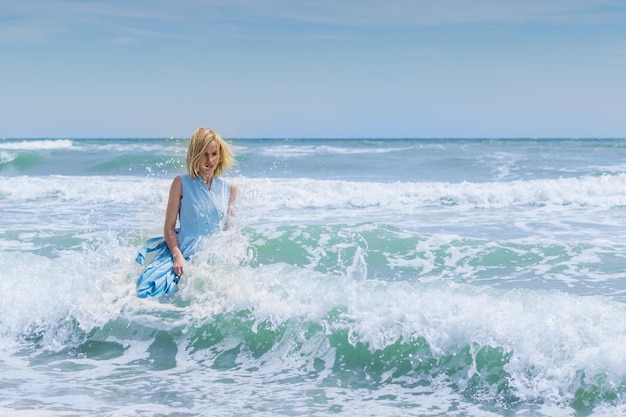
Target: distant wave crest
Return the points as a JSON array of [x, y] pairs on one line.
[[37, 144]]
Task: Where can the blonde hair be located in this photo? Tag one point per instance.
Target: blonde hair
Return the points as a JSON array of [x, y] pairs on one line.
[[197, 146]]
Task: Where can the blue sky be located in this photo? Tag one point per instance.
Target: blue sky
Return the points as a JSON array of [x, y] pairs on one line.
[[316, 68]]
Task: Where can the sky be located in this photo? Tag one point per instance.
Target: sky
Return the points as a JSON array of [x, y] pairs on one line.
[[313, 68]]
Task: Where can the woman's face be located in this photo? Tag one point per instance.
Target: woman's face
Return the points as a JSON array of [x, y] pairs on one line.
[[211, 159]]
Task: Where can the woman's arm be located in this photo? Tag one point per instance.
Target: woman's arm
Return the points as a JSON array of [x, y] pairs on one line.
[[169, 228]]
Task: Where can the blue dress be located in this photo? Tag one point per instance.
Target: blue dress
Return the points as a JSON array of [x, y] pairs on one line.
[[203, 211]]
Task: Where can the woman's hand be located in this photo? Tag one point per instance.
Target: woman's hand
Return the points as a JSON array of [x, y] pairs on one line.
[[179, 266]]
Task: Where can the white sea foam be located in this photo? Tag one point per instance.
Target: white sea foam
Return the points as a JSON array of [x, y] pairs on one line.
[[518, 208], [36, 144], [147, 147], [301, 151], [600, 192], [83, 190], [551, 336], [6, 157], [589, 192], [522, 204]]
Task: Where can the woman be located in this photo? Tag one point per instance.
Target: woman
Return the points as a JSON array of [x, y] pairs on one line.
[[201, 202]]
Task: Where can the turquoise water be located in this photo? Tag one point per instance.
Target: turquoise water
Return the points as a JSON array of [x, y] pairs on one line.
[[370, 277]]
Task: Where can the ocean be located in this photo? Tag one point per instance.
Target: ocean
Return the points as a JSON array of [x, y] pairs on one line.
[[362, 277]]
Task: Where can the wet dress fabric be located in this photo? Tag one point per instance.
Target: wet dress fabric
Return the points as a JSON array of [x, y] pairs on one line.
[[203, 212]]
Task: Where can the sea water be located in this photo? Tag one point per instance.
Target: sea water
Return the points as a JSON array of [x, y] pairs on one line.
[[362, 277]]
